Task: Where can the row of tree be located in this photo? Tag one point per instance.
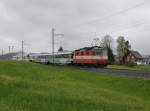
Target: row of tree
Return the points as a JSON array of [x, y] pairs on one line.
[[123, 48]]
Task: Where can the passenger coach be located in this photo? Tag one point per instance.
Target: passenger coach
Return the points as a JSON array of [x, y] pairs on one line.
[[59, 58]]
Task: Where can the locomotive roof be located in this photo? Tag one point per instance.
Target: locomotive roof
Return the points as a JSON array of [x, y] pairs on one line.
[[90, 48]]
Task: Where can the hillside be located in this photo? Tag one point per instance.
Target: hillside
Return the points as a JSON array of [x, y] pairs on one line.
[[28, 86]]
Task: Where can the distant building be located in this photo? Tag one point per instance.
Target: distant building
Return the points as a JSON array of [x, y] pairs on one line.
[[147, 59], [18, 56], [12, 56], [135, 56]]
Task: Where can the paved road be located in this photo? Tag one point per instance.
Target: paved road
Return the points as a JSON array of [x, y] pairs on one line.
[[133, 73]]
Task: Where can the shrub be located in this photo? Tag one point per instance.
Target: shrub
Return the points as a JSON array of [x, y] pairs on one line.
[[131, 64]]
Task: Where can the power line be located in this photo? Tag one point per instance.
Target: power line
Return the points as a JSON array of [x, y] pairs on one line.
[[128, 27], [133, 26], [115, 14]]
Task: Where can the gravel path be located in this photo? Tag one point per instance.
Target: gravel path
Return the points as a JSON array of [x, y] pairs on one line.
[[120, 72]]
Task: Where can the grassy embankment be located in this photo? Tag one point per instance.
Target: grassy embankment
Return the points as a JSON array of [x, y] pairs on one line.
[[33, 87], [136, 67]]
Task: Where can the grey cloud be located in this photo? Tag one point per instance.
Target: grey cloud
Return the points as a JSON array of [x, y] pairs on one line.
[[32, 20]]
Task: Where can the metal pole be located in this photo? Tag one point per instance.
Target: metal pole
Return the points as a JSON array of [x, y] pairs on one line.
[[9, 48], [2, 52], [53, 43], [12, 48], [22, 49], [53, 34]]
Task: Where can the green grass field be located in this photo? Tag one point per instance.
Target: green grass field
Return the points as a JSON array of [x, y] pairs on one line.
[[28, 86], [137, 67]]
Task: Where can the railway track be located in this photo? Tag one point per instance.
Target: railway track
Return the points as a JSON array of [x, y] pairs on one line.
[[120, 72]]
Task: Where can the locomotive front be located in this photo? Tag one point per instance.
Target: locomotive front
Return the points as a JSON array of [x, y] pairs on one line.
[[91, 56]]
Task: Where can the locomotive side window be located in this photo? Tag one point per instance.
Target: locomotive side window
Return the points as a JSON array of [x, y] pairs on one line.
[[87, 53], [82, 53]]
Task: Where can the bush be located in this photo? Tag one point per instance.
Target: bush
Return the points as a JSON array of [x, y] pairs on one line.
[[131, 64]]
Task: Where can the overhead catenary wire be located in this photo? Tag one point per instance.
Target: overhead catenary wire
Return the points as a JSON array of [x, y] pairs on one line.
[[132, 26], [114, 14], [137, 25]]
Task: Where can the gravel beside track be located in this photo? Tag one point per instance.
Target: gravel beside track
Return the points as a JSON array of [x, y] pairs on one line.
[[120, 72]]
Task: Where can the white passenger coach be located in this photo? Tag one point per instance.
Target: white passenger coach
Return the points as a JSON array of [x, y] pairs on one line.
[[59, 58]]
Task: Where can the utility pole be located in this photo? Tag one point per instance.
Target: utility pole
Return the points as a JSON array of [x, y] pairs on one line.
[[2, 52], [53, 43], [53, 34], [12, 48], [9, 48], [22, 49]]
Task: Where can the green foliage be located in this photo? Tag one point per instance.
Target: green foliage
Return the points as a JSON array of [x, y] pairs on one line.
[[131, 64], [27, 86], [110, 56], [107, 41], [123, 48]]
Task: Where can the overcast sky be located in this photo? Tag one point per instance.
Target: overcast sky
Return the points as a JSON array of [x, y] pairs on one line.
[[79, 20]]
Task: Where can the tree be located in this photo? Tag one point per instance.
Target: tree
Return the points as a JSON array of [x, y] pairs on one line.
[[107, 41], [111, 57], [123, 48], [60, 49], [108, 44]]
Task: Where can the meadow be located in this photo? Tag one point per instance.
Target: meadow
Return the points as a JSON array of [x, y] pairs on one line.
[[26, 86]]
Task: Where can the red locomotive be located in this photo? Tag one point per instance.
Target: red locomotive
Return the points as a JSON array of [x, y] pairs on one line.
[[91, 55]]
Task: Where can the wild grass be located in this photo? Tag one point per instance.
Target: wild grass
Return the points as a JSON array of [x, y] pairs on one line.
[[28, 86]]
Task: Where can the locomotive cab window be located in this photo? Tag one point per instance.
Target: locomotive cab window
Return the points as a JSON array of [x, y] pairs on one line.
[[99, 53]]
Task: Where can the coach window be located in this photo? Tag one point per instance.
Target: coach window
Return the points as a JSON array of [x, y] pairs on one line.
[[65, 56]]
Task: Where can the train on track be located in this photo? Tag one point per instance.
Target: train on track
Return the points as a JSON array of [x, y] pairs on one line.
[[84, 56]]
